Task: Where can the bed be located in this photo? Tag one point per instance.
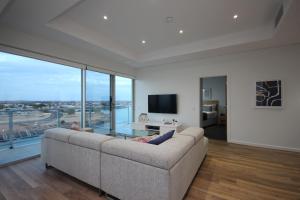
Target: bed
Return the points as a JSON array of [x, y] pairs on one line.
[[210, 113]]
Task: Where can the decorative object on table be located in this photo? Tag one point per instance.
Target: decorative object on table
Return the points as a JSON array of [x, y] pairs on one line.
[[269, 94], [174, 121], [166, 121], [143, 117]]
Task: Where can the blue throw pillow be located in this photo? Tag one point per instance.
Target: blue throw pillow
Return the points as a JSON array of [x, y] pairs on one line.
[[162, 138]]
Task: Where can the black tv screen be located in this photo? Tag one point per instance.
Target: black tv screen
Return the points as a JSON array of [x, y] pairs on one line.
[[166, 103]]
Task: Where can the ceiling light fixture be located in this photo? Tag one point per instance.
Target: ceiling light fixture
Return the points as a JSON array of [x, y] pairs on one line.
[[143, 41], [180, 31], [235, 16], [105, 17]]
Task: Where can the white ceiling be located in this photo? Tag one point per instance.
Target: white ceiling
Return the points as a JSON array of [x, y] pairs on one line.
[[208, 25]]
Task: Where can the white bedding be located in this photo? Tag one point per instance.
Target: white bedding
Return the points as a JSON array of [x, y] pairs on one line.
[[210, 114], [212, 118]]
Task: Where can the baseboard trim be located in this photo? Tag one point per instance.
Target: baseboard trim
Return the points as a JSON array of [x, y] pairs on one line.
[[267, 146]]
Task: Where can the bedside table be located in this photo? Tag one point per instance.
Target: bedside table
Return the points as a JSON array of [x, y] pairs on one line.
[[222, 119]]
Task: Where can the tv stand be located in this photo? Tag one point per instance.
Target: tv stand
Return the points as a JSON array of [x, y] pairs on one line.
[[157, 126]]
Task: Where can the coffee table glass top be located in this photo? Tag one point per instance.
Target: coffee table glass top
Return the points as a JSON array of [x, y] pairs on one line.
[[132, 133]]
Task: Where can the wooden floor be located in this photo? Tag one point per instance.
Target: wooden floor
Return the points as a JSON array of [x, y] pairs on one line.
[[228, 172], [241, 172]]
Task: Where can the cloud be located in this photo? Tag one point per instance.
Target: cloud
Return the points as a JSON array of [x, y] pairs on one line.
[[31, 79]]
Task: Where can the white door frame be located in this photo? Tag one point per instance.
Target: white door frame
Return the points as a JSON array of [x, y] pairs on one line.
[[228, 102]]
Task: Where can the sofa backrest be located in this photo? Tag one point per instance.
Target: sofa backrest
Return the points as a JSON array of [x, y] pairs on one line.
[[89, 140], [60, 134], [79, 138], [162, 156]]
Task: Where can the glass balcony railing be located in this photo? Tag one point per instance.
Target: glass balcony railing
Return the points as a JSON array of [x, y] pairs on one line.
[[123, 117], [25, 127], [99, 118]]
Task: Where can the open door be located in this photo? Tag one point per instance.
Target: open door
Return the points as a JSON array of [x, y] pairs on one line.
[[213, 107]]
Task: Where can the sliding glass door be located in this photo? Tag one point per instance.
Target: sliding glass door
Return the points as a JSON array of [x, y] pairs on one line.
[[34, 96], [123, 103], [98, 105], [108, 102]]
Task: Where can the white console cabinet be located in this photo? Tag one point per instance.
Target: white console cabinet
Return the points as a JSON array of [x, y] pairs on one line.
[[159, 126]]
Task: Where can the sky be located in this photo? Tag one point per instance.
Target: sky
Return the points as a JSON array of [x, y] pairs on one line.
[[28, 79]]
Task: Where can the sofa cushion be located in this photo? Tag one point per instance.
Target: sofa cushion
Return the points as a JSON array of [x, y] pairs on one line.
[[195, 132], [162, 138], [60, 134], [89, 140], [162, 156]]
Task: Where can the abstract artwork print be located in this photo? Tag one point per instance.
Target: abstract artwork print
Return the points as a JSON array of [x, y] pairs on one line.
[[269, 94]]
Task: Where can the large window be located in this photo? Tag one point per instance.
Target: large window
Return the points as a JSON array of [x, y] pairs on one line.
[[37, 95]]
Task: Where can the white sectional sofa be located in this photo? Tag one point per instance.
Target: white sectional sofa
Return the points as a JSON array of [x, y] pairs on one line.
[[127, 169]]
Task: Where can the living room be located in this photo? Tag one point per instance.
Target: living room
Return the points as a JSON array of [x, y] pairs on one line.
[[117, 61]]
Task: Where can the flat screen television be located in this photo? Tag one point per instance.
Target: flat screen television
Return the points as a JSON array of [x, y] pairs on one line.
[[165, 103]]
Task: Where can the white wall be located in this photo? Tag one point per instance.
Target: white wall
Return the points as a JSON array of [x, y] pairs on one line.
[[218, 90], [29, 42], [277, 128]]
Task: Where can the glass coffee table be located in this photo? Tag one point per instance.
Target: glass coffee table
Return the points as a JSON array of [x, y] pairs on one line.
[[132, 133]]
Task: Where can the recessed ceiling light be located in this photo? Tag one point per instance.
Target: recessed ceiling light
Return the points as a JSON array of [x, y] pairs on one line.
[[143, 41], [105, 17], [180, 31], [235, 16]]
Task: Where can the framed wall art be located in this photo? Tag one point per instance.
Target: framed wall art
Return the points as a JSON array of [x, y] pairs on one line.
[[269, 94]]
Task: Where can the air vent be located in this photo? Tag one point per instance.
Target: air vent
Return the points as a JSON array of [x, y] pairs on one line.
[[170, 20], [279, 16]]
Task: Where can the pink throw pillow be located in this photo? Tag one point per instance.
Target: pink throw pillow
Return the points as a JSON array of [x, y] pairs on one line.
[[143, 139]]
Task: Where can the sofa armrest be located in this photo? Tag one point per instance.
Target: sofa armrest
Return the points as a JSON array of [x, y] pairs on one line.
[[163, 156]]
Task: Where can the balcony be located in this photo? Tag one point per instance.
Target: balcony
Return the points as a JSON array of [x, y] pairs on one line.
[[21, 130]]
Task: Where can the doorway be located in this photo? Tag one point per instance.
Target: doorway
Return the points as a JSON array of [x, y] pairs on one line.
[[213, 107]]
